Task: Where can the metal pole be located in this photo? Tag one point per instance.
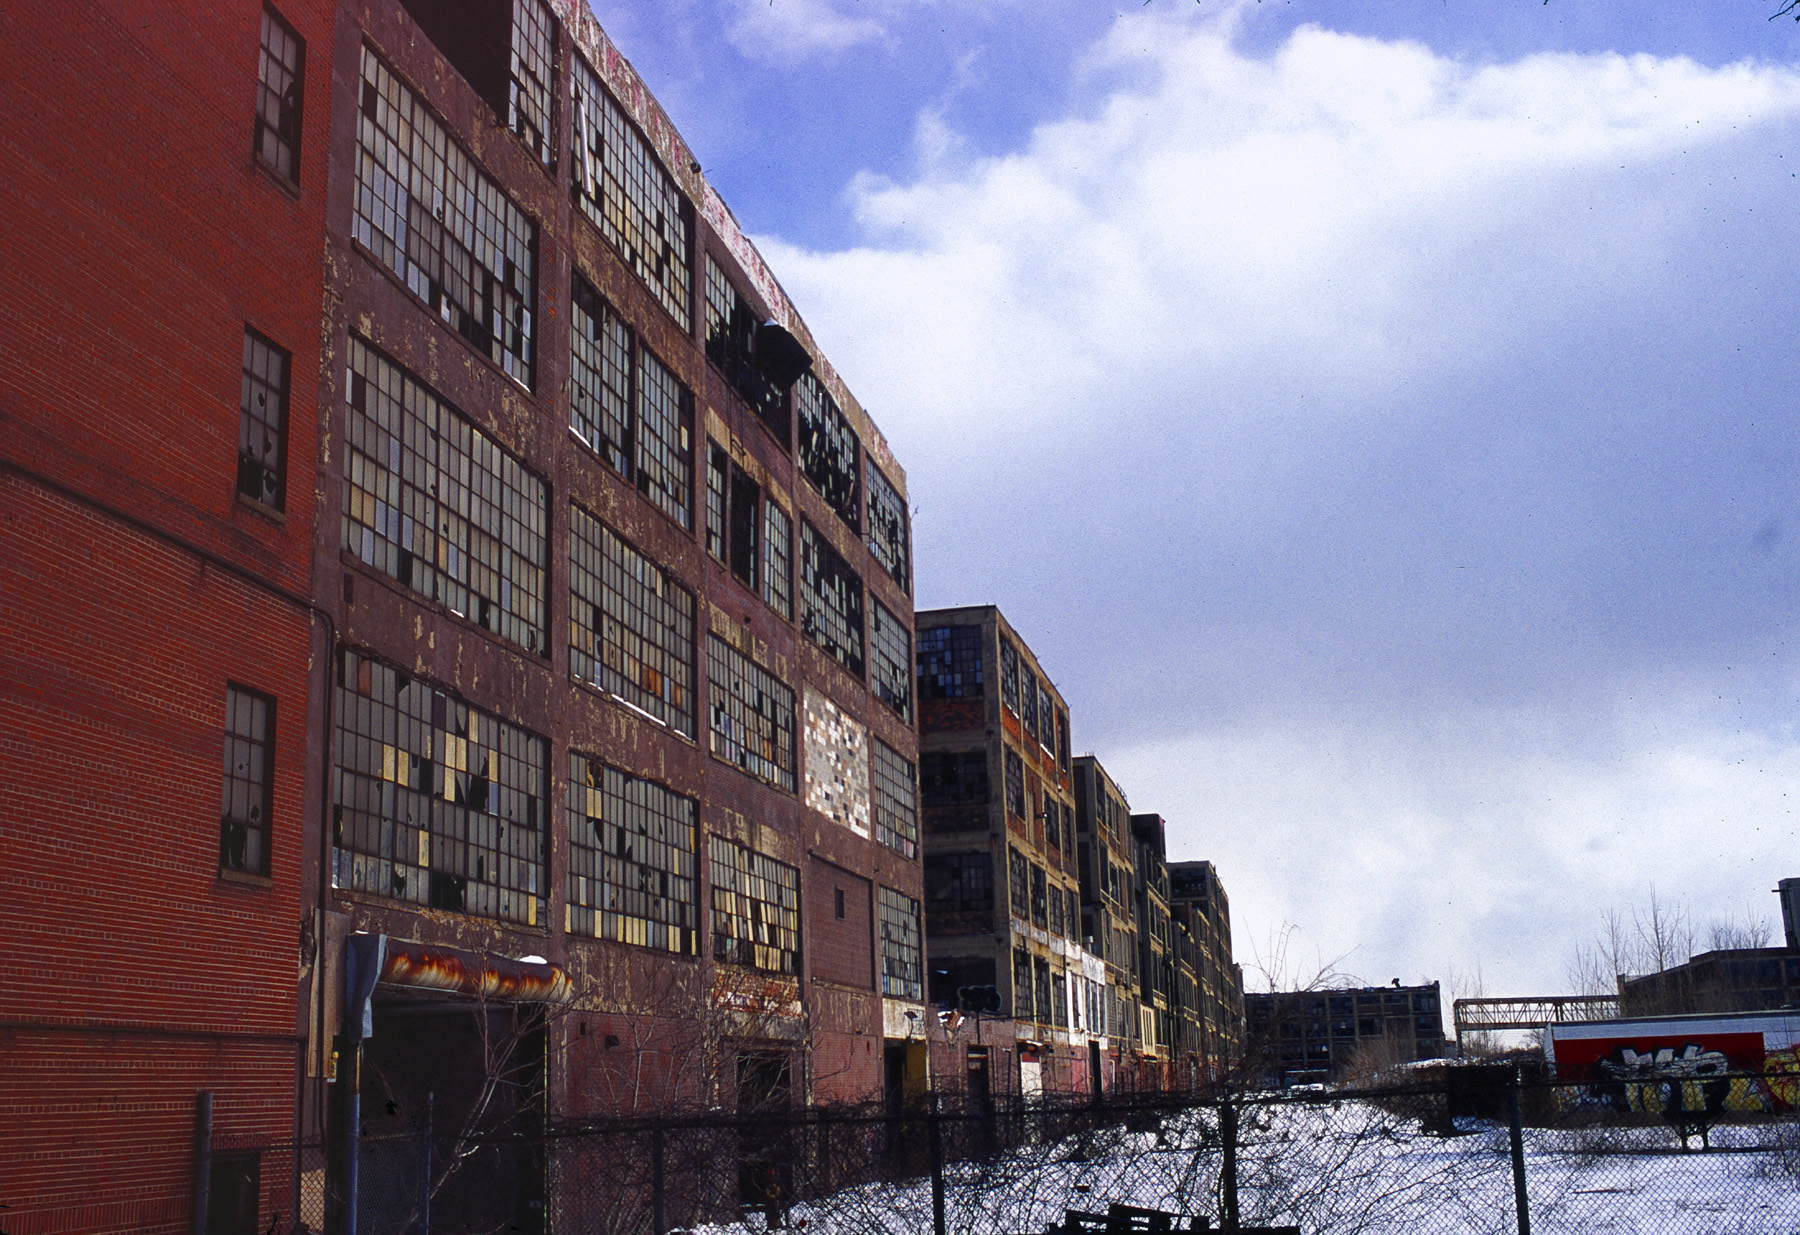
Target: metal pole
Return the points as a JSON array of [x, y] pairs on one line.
[[203, 1118], [1521, 1203], [937, 1175], [352, 1134], [658, 1205], [425, 1185], [1228, 1172]]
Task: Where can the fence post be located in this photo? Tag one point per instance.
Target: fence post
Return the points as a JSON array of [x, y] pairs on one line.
[[425, 1183], [1228, 1180], [1521, 1203], [203, 1118], [658, 1218], [937, 1172]]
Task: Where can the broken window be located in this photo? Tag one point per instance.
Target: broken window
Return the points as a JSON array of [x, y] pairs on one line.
[[262, 422], [888, 528], [244, 811], [890, 661], [953, 777], [631, 625], [1022, 1001], [1052, 822], [429, 214], [633, 859], [506, 51], [1059, 999], [892, 782], [1053, 903], [1046, 729], [950, 662], [1009, 675], [1028, 698], [531, 79], [755, 908], [732, 326], [778, 559], [435, 503], [748, 532], [1018, 872], [628, 407], [830, 455], [902, 959], [752, 715], [959, 882], [1062, 739], [278, 93], [1015, 785], [627, 193], [831, 601], [435, 802], [1041, 972], [1039, 896]]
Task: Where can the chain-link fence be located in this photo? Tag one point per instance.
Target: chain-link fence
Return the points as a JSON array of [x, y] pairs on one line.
[[1695, 1158]]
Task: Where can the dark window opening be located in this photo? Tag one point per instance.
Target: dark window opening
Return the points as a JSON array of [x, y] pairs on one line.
[[890, 660], [506, 51], [278, 96], [1022, 1001], [436, 802], [435, 503], [1046, 719], [830, 454], [631, 625], [442, 225], [1039, 896], [248, 787], [1015, 785], [1009, 675], [959, 883], [752, 715], [628, 407], [732, 331], [950, 662], [755, 908], [831, 596], [262, 422], [888, 536], [746, 502], [892, 786], [1018, 884], [902, 957], [953, 777], [628, 194], [1041, 971], [633, 859]]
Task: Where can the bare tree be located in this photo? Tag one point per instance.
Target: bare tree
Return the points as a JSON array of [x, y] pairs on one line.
[[1734, 932]]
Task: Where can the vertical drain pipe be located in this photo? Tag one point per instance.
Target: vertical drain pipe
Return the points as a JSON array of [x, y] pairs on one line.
[[202, 1201]]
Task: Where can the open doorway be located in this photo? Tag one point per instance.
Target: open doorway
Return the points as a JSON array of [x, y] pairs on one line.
[[448, 1083]]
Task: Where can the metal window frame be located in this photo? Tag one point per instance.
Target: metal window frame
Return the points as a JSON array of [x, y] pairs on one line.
[[239, 827]]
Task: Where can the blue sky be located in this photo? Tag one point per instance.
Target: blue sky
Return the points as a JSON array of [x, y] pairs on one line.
[[1378, 415]]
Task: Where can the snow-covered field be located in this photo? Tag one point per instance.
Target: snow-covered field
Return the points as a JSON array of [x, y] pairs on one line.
[[1352, 1167]]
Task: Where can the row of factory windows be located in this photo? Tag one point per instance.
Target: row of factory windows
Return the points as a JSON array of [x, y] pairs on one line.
[[446, 229], [441, 804], [951, 667]]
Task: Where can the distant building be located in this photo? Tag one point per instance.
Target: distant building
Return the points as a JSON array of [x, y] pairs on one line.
[[1729, 980], [1299, 1037], [1157, 994], [1198, 903], [1108, 912], [1002, 891]]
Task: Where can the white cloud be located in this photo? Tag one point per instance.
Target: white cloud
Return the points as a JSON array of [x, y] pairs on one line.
[[786, 31], [1373, 445]]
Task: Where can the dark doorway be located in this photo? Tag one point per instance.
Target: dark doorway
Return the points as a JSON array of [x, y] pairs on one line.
[[764, 1100], [473, 1074], [980, 1103], [1097, 1088]]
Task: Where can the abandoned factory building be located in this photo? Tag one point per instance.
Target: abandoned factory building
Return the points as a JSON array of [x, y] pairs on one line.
[[1304, 1037], [537, 615]]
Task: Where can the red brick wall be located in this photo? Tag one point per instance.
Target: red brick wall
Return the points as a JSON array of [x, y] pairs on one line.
[[146, 239]]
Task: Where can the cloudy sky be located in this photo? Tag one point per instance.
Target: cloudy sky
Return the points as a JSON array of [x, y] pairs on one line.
[[1380, 417]]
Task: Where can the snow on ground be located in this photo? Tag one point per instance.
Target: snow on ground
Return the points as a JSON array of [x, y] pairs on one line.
[[1352, 1168]]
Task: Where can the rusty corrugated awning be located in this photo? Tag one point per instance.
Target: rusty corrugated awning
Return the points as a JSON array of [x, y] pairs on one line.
[[431, 967]]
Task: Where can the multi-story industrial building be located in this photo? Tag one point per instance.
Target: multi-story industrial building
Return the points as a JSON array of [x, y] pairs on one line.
[[1158, 997], [1723, 980], [1003, 906], [1298, 1037], [1203, 915], [1106, 858], [546, 639]]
